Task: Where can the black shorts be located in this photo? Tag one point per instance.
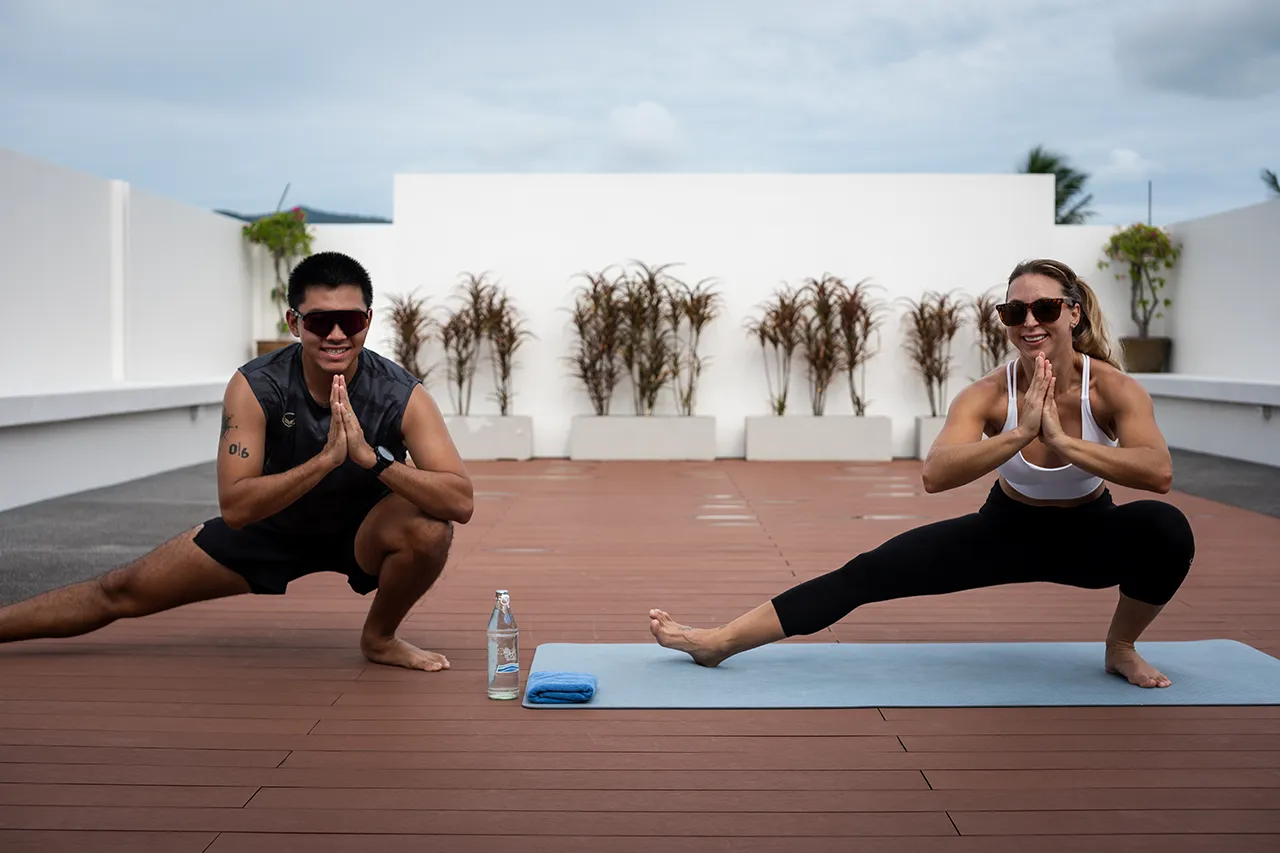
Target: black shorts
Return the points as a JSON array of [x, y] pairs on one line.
[[269, 559]]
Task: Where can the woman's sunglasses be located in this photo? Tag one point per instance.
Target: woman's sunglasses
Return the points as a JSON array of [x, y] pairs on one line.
[[321, 323], [1045, 310]]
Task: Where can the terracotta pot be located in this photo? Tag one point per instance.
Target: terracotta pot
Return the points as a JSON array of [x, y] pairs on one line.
[[1146, 355]]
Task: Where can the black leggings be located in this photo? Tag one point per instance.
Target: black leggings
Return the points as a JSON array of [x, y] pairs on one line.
[[1146, 547]]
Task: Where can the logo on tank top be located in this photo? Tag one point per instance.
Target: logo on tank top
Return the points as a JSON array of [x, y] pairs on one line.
[[287, 419]]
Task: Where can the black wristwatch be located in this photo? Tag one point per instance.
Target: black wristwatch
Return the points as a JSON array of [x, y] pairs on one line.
[[383, 462]]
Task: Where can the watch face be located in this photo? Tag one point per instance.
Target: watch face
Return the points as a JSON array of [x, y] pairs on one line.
[[386, 455]]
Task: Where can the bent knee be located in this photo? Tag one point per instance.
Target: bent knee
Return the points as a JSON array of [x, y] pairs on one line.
[[428, 538], [1162, 548], [1165, 528]]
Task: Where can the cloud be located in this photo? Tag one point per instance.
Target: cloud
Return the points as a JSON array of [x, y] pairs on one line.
[[221, 104], [645, 134], [1205, 48], [1126, 165]]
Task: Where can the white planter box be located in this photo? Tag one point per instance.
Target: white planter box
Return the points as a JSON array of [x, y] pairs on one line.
[[611, 437], [844, 438], [490, 437], [927, 429]]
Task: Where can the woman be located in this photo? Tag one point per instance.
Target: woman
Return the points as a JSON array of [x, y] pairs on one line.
[[1060, 419]]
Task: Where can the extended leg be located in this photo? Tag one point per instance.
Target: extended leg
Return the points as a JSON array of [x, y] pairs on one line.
[[946, 556], [406, 550], [174, 574]]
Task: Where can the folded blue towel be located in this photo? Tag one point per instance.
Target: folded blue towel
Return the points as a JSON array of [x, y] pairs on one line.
[[558, 688]]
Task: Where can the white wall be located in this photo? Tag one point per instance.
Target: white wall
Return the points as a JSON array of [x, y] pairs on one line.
[[909, 233], [188, 296], [1224, 388], [116, 286], [1226, 294], [1220, 417], [55, 274], [52, 459], [115, 294]]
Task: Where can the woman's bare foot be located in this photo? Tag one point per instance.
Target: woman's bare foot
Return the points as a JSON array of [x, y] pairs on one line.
[[1125, 661], [699, 643], [396, 652]]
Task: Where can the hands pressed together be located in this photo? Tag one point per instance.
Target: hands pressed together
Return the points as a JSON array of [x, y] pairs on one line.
[[1039, 415], [346, 437]]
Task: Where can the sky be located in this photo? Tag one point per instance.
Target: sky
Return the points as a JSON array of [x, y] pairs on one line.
[[223, 104]]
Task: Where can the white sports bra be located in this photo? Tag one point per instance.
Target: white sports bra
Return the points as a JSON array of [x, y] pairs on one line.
[[1062, 483]]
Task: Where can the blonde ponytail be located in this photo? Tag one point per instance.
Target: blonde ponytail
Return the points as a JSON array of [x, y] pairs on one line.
[[1090, 336]]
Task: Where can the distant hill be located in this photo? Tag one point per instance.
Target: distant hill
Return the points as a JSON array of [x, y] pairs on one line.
[[316, 217]]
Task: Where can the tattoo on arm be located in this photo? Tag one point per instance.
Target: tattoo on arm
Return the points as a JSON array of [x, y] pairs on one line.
[[227, 426]]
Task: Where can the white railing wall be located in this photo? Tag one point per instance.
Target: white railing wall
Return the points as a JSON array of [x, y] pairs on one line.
[[1223, 393]]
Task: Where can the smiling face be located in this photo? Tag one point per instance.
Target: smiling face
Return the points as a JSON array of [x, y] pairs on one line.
[[332, 323], [1032, 294]]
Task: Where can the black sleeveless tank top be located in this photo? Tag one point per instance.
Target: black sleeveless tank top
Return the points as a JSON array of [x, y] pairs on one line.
[[297, 428]]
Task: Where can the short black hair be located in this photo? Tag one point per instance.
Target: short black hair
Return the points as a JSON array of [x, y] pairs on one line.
[[328, 269]]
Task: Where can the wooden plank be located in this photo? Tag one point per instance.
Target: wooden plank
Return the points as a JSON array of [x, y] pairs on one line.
[[230, 842], [465, 778], [479, 822], [1137, 777], [126, 796], [194, 758], [1153, 821], [682, 797], [62, 841], [197, 725], [1052, 743], [706, 771], [444, 743]]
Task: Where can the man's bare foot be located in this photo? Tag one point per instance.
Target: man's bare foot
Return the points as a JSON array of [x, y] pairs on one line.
[[1128, 663], [396, 652], [697, 642]]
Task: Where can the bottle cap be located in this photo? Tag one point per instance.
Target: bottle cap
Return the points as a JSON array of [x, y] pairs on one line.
[[500, 592]]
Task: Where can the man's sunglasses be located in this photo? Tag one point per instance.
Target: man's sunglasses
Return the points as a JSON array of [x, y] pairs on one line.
[[321, 323], [1045, 310]]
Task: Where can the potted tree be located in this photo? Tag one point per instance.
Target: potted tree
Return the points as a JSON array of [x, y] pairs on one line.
[[690, 310], [635, 325], [778, 329], [993, 336], [1142, 252], [287, 239], [486, 319], [931, 325], [831, 324], [411, 330]]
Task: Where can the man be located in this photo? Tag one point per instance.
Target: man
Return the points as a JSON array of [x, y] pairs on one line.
[[312, 476]]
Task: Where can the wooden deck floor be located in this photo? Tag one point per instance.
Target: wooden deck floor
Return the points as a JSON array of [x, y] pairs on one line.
[[253, 724]]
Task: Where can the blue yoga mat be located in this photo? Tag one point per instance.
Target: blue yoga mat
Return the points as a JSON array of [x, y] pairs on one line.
[[912, 675]]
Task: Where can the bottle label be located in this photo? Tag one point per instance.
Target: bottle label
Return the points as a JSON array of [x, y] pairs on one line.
[[507, 667]]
